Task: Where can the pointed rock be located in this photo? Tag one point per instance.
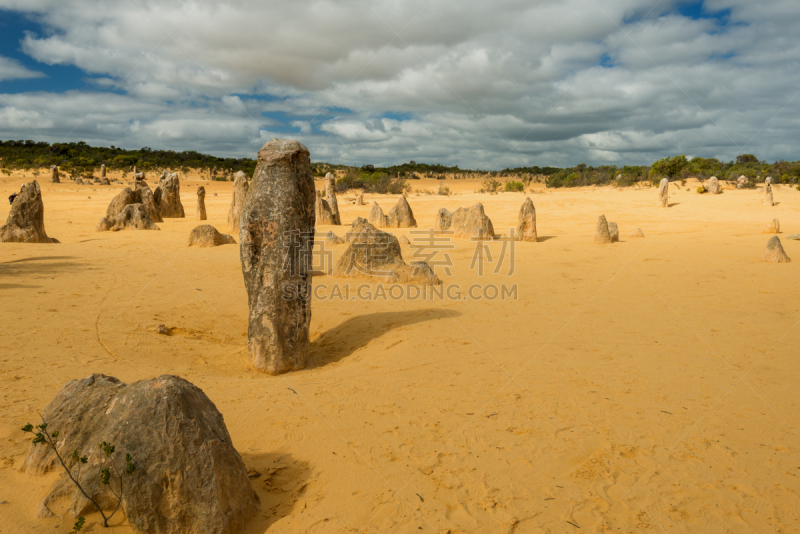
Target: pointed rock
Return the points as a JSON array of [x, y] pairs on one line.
[[637, 233], [376, 216], [25, 222], [401, 216], [376, 254], [774, 252]]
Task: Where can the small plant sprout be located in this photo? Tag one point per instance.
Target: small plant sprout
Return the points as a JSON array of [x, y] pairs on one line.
[[110, 474]]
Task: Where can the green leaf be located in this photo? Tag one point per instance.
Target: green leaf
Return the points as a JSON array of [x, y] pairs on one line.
[[79, 524], [54, 434], [27, 428], [105, 475]]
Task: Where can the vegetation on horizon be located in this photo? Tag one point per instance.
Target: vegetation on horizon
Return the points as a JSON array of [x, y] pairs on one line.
[[81, 159]]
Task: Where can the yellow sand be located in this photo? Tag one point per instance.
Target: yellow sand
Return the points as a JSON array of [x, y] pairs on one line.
[[648, 385]]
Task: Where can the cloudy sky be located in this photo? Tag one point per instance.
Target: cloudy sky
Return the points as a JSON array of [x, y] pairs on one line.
[[475, 83]]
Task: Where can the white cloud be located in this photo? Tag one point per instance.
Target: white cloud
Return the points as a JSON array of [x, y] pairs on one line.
[[11, 69], [472, 83]]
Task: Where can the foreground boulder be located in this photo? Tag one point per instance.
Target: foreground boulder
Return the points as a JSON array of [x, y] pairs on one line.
[[240, 190], [188, 476], [376, 254], [167, 197], [208, 236], [401, 216], [276, 244], [330, 197], [774, 252], [25, 222], [376, 216], [774, 227], [663, 193], [601, 233], [322, 210], [132, 216], [713, 185], [465, 222], [526, 222], [201, 203]]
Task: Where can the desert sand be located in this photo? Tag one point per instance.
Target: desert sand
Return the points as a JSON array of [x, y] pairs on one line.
[[645, 386]]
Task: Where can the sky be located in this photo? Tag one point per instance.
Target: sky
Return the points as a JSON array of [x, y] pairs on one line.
[[478, 84]]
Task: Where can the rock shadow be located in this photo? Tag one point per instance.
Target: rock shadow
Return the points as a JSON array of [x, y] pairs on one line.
[[41, 265], [542, 238], [279, 481], [356, 332]]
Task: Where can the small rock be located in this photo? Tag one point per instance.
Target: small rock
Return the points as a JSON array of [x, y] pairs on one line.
[[637, 233], [162, 329], [613, 232], [773, 227], [795, 237], [404, 240]]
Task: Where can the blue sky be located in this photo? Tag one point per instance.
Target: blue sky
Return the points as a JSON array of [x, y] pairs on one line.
[[468, 83]]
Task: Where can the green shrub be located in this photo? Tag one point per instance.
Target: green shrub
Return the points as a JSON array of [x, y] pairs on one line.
[[515, 187], [701, 189]]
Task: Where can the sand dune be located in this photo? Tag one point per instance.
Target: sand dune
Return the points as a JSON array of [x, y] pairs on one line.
[[648, 385]]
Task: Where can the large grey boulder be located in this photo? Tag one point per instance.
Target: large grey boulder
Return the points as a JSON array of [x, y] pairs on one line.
[[201, 203], [376, 254], [132, 216], [330, 197], [663, 193], [774, 252], [188, 478], [276, 244], [526, 222], [167, 197], [401, 216], [465, 222], [601, 233], [208, 236], [25, 222]]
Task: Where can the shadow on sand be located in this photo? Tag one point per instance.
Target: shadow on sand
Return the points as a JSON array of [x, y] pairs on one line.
[[38, 265], [356, 332], [280, 482]]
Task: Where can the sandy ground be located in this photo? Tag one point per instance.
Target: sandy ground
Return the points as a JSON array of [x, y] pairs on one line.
[[649, 385]]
